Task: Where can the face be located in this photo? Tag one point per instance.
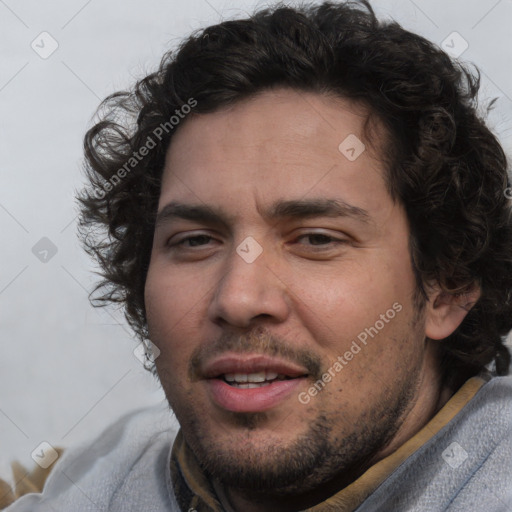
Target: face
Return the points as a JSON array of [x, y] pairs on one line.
[[280, 293]]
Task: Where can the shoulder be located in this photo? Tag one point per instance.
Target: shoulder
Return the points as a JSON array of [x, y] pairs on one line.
[[485, 434], [130, 454], [464, 466], [489, 413]]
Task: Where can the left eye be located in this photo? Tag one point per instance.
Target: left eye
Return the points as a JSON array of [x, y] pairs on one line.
[[318, 238]]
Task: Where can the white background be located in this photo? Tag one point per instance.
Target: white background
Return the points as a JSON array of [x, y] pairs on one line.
[[67, 370]]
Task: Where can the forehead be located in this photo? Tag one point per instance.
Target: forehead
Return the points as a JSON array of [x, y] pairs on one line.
[[279, 143]]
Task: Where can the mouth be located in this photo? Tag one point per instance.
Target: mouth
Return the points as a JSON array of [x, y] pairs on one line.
[[253, 380], [251, 383]]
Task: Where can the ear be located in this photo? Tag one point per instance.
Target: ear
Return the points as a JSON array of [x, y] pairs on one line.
[[445, 311]]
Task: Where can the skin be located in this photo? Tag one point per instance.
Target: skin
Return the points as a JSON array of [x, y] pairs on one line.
[[319, 282]]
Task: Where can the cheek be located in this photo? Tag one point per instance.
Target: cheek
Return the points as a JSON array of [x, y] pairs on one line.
[[173, 309], [169, 293], [364, 350], [337, 305]]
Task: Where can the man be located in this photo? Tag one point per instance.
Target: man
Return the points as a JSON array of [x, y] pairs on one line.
[[309, 226]]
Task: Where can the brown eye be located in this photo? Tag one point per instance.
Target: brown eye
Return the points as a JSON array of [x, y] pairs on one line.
[[318, 239], [190, 242], [195, 241]]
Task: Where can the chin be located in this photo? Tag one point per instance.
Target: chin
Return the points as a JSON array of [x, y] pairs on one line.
[[260, 458]]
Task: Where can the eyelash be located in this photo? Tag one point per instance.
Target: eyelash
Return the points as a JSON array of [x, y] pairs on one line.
[[322, 235], [332, 240], [188, 238]]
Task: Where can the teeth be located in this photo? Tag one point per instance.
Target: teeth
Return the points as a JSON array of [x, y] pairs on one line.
[[256, 377], [250, 385], [253, 378]]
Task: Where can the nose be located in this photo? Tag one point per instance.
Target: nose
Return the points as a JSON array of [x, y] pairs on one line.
[[248, 292]]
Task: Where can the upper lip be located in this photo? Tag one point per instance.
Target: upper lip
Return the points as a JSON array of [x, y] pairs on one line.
[[250, 363]]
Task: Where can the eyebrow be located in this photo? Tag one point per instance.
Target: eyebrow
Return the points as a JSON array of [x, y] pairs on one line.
[[307, 208], [290, 209]]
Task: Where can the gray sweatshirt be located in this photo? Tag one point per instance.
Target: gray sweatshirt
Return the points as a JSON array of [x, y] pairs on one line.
[[464, 465]]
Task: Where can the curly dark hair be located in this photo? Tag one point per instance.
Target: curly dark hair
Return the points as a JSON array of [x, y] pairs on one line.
[[443, 164]]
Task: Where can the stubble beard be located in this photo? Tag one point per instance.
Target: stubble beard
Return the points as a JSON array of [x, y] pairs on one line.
[[332, 447]]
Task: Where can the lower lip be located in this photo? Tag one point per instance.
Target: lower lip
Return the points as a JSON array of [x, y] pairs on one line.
[[253, 399]]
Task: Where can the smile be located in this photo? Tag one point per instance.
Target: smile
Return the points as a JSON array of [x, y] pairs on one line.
[[251, 383], [253, 380]]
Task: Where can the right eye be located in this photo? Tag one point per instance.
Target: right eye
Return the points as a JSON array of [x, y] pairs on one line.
[[192, 241]]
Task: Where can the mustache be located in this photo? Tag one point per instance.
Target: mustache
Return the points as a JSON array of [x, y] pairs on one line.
[[257, 341]]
